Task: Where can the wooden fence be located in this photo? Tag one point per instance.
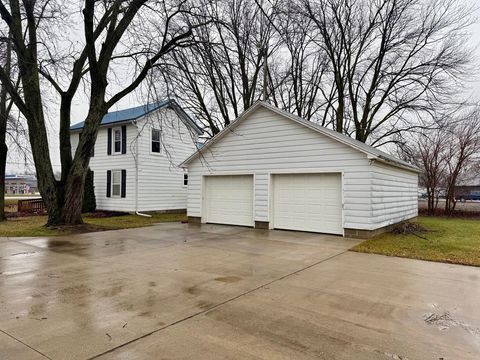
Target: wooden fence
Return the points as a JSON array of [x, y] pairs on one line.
[[34, 206]]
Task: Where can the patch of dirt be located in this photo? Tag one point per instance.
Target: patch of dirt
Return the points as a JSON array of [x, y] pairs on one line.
[[394, 356], [407, 227], [104, 214], [79, 229]]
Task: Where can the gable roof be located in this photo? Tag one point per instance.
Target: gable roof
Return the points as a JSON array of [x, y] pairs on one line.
[[131, 114], [371, 152]]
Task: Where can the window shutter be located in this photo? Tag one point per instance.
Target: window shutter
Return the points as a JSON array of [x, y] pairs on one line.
[[109, 182], [109, 141], [124, 183], [124, 139]]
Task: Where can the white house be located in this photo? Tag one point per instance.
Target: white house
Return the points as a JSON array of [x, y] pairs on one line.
[[136, 156], [271, 169]]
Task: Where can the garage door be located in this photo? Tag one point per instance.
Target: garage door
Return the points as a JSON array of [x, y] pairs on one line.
[[229, 200], [308, 202]]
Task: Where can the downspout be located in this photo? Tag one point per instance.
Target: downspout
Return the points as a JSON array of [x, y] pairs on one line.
[[136, 157]]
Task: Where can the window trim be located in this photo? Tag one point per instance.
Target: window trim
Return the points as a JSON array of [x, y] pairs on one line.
[[119, 171], [114, 130], [152, 129], [185, 179]]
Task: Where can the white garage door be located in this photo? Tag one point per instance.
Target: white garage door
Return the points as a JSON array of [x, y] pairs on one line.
[[229, 200], [308, 202]]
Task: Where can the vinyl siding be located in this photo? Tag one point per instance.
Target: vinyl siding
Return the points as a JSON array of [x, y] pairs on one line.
[[394, 195], [266, 143], [160, 179], [100, 163], [160, 183]]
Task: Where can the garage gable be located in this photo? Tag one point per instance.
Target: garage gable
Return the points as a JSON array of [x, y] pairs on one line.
[[267, 140], [281, 130]]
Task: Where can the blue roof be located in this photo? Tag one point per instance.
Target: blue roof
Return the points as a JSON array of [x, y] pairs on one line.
[[139, 111]]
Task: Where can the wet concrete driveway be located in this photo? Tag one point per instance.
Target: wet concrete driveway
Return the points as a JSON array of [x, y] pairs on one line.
[[177, 292]]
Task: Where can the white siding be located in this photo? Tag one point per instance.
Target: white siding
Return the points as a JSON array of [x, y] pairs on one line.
[[394, 195], [101, 162], [160, 179], [267, 143], [160, 183]]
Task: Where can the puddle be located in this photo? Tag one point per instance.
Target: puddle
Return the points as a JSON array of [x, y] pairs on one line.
[[228, 279], [51, 244], [193, 290], [23, 253], [75, 290]]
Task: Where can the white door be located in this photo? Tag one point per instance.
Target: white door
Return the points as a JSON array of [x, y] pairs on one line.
[[308, 202], [229, 200]]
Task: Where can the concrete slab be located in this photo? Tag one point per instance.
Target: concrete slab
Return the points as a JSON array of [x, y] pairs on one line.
[[220, 292], [12, 349]]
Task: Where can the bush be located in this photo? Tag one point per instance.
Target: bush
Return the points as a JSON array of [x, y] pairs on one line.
[[89, 202]]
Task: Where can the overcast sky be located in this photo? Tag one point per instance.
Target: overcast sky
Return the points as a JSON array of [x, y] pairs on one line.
[[16, 163]]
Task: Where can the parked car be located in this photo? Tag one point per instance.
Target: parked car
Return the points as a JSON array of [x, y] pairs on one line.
[[474, 195], [442, 194]]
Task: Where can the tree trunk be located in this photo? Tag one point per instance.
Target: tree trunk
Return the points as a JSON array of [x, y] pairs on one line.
[[72, 207], [340, 111], [75, 179], [431, 201], [3, 161], [4, 113]]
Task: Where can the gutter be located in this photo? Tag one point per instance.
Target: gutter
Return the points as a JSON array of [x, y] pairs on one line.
[[136, 157], [387, 161]]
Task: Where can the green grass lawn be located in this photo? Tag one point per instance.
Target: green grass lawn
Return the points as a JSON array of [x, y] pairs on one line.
[[454, 241], [34, 225]]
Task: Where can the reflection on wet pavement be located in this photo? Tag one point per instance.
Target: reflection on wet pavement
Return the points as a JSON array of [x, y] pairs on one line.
[[234, 292]]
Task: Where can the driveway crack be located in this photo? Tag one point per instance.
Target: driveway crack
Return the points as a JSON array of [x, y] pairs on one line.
[[25, 344]]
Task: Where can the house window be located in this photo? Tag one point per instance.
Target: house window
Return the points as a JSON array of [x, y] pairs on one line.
[[117, 141], [156, 135], [116, 182], [185, 179]]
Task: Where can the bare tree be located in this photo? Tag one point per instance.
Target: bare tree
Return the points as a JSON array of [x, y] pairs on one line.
[[298, 72], [369, 69], [392, 62], [130, 36], [426, 150], [5, 109], [220, 75], [462, 148]]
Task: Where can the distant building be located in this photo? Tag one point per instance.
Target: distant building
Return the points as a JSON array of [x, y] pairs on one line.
[[466, 187], [20, 184]]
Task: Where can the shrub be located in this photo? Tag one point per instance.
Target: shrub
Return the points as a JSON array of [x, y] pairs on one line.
[[89, 202]]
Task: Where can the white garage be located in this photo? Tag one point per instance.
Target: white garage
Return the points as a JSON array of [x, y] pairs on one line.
[[308, 202], [273, 170], [229, 200]]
